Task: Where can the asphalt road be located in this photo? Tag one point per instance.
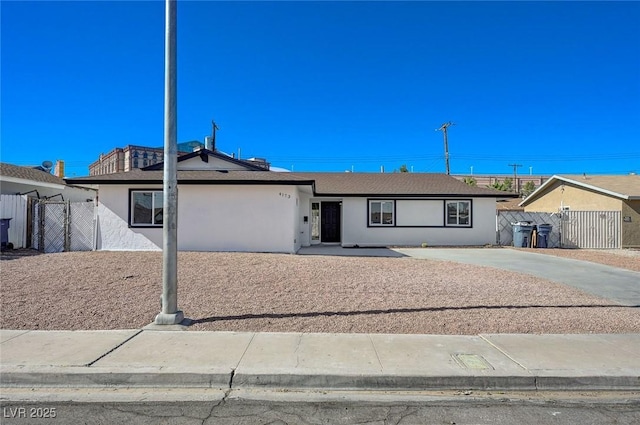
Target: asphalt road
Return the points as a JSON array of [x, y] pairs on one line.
[[345, 408]]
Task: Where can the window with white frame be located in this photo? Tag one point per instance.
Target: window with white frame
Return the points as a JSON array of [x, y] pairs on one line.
[[458, 213], [146, 208], [381, 213]]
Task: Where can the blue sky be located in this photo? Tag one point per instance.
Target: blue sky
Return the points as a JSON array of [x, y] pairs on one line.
[[330, 86]]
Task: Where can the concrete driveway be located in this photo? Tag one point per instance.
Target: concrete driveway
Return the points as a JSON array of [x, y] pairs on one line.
[[620, 285]]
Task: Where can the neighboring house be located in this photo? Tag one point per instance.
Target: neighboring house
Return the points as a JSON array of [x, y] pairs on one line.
[[20, 184], [132, 156], [226, 204], [509, 205], [593, 193], [36, 183]]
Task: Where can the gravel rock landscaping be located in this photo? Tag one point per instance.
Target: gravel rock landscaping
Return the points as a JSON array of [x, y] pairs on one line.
[[294, 293]]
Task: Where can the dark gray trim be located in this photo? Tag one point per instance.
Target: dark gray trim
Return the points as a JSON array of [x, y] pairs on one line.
[[140, 226], [444, 209], [453, 226], [198, 182], [418, 197], [369, 212], [204, 154]]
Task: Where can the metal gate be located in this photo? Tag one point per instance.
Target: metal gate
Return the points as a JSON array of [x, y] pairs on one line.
[[591, 229], [63, 226]]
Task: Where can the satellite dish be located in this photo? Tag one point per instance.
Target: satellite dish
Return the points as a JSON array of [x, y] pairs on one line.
[[47, 164]]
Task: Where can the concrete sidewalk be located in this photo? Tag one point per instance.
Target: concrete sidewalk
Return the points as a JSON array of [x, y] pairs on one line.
[[231, 360]]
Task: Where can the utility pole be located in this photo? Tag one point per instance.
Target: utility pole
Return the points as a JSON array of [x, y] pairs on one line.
[[170, 315], [443, 128], [515, 176]]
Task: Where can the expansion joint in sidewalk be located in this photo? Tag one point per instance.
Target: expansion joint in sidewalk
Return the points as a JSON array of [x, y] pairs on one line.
[[502, 351], [114, 348]]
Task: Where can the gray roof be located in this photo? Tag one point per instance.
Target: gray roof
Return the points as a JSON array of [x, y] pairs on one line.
[[28, 173], [396, 184], [325, 184]]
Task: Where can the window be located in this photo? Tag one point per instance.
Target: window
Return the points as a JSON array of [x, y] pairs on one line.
[[458, 213], [381, 213], [146, 208], [315, 221]]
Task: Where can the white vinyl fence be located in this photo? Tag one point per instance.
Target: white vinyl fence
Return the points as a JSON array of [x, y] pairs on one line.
[[591, 229], [15, 208]]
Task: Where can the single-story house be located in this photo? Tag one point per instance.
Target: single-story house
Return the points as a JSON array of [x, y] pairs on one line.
[[228, 204], [593, 193], [19, 185]]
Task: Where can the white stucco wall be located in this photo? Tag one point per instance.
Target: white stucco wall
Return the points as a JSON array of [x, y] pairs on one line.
[[237, 218], [210, 218], [304, 229], [355, 230], [113, 232]]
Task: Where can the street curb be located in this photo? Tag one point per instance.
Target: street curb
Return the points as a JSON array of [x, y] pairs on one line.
[[81, 378]]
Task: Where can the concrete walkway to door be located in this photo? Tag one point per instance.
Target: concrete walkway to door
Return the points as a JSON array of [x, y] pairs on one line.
[[620, 285]]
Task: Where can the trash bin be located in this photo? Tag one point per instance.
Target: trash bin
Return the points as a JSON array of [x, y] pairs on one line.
[[522, 234], [544, 230], [4, 232]]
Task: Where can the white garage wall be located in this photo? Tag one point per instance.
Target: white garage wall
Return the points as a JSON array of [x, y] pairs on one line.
[[210, 218], [355, 230]]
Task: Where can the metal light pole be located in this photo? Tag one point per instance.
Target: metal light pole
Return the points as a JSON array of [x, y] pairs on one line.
[[170, 315]]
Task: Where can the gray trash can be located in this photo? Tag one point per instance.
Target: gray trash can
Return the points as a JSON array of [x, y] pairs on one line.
[[4, 232], [544, 230], [522, 234]]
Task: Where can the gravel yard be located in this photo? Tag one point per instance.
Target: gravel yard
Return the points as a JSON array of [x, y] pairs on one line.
[[295, 293]]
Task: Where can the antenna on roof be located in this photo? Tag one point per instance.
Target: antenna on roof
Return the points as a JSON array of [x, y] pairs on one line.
[[214, 127]]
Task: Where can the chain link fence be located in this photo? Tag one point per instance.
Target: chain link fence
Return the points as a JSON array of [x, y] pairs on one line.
[[505, 220], [63, 226]]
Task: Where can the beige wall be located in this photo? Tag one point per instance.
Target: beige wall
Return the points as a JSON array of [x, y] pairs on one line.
[[580, 199], [631, 230], [577, 199]]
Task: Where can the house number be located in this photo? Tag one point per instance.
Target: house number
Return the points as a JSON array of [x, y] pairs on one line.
[[285, 195]]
